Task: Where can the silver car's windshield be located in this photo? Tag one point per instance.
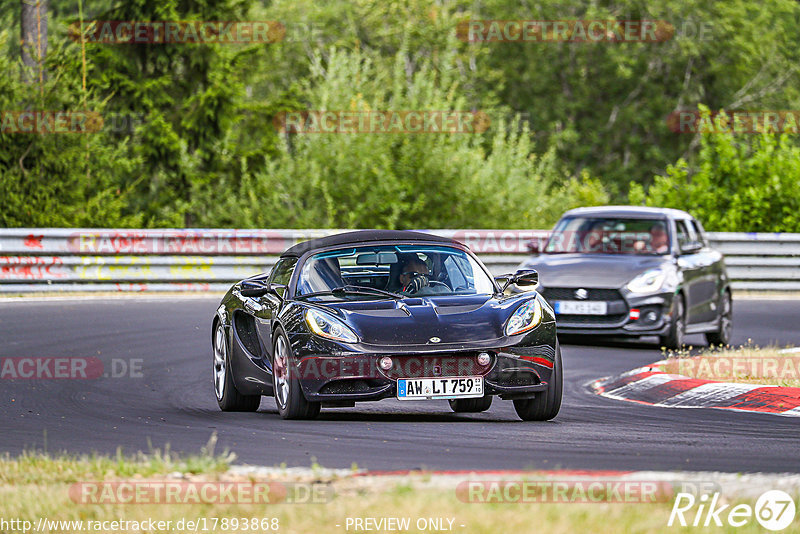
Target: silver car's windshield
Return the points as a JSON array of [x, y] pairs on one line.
[[403, 270], [601, 235]]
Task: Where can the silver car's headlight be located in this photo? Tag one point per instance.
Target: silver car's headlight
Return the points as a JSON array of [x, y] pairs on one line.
[[326, 325], [648, 282], [527, 317]]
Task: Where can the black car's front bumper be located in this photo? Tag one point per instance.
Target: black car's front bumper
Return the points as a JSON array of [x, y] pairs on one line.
[[516, 371]]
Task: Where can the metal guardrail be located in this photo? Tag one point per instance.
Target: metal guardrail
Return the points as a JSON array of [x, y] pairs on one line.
[[55, 259]]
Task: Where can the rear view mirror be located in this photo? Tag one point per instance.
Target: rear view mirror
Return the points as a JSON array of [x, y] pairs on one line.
[[380, 258]]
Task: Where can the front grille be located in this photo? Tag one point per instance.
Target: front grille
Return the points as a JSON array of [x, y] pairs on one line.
[[583, 320], [517, 377], [612, 296], [552, 294], [348, 386], [437, 364]]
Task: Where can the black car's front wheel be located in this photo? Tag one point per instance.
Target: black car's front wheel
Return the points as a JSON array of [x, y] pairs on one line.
[[480, 404], [545, 405], [228, 397], [289, 398], [722, 336]]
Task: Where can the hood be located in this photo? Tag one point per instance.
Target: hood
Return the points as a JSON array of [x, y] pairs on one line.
[[414, 321], [610, 271]]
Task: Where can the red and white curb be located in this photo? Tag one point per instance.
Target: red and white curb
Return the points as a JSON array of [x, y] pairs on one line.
[[648, 385]]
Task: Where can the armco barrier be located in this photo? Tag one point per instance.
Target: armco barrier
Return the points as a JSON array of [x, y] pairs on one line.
[[56, 259]]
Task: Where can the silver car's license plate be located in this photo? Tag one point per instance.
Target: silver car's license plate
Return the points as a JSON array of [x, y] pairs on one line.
[[577, 307]]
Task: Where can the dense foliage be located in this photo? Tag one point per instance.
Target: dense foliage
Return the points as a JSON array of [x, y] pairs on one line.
[[189, 138]]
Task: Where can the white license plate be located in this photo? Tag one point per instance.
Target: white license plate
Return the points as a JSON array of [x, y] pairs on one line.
[[455, 387], [577, 307]]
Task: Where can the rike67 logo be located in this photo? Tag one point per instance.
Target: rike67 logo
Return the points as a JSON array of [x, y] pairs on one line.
[[774, 510]]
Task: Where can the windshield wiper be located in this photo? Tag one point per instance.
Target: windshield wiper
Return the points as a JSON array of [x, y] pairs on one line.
[[354, 290]]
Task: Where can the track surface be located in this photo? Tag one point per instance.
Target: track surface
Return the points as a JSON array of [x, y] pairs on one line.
[[173, 403]]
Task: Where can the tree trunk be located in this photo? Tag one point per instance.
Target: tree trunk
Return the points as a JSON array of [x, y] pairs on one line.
[[33, 23]]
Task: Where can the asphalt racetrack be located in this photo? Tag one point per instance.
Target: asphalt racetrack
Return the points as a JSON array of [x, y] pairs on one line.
[[170, 400]]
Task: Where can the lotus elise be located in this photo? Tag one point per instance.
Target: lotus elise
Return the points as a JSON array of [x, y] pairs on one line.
[[378, 314]]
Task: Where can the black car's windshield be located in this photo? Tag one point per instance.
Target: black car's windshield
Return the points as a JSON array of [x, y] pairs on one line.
[[602, 235], [391, 271]]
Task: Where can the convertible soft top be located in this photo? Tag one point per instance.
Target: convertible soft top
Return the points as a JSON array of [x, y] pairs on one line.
[[360, 237]]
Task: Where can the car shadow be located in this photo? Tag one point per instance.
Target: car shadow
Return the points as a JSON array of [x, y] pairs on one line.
[[646, 343], [598, 341], [394, 417]]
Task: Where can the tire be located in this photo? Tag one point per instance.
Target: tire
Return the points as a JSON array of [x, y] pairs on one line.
[[228, 397], [545, 405], [480, 404], [723, 335], [289, 397], [677, 328]]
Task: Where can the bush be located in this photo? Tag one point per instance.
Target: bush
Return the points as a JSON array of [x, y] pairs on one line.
[[736, 183], [385, 180]]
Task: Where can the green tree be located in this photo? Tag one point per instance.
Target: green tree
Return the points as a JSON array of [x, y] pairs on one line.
[[737, 183]]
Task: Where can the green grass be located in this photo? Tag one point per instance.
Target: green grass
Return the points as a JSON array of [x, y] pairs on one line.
[[747, 364], [41, 468], [35, 485]]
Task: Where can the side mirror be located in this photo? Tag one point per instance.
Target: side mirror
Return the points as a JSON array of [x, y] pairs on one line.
[[523, 277], [252, 288], [526, 277], [534, 246], [691, 247]]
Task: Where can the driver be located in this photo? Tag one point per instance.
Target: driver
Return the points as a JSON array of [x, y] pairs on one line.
[[414, 276], [659, 240], [415, 279]]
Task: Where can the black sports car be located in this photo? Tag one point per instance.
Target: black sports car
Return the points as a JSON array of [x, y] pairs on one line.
[[634, 271], [373, 314]]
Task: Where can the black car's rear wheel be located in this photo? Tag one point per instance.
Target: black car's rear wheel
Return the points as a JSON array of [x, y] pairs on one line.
[[546, 404], [723, 335], [480, 404], [228, 397], [289, 398], [677, 328]]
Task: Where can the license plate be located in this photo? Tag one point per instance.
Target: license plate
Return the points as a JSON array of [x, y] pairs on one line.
[[457, 387], [577, 307]]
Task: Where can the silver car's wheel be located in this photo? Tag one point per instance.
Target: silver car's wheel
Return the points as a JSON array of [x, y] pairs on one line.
[[220, 362], [280, 372], [723, 334]]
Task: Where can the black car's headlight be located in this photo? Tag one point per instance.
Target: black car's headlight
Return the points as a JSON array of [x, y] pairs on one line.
[[326, 325], [648, 282], [527, 317]]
